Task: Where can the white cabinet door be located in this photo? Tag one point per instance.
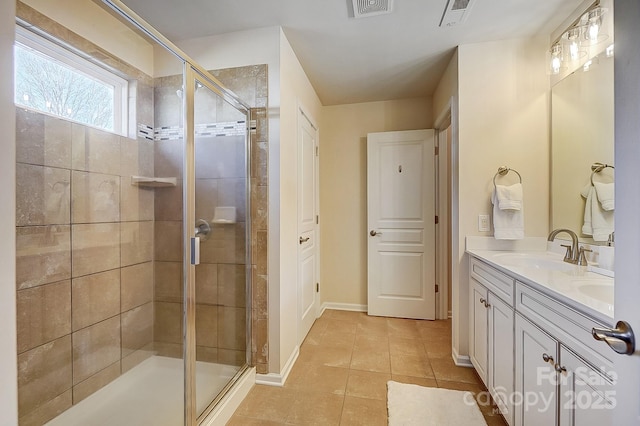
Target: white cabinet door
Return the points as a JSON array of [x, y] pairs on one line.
[[536, 379], [501, 355], [587, 396], [478, 338]]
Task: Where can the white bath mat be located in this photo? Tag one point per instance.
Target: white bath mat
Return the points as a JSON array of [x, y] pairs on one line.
[[420, 406]]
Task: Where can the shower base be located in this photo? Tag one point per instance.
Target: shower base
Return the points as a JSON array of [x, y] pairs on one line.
[[149, 394]]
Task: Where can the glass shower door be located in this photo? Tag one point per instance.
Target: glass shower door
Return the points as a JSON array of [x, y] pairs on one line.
[[216, 300]]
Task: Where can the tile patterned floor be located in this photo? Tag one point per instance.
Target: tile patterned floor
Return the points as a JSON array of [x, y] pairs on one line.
[[344, 364]]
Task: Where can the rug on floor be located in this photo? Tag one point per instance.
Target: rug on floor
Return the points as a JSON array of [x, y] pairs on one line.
[[418, 405]]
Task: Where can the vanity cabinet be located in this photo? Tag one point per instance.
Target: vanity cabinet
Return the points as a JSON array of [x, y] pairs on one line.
[[536, 355], [491, 325]]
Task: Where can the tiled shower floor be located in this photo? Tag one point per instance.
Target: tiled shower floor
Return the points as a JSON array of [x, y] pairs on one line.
[[344, 364], [151, 394]]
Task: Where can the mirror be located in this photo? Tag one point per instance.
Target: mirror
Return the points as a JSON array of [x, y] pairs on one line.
[[582, 133]]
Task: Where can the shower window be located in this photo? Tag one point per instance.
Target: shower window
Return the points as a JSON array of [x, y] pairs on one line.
[[53, 80]]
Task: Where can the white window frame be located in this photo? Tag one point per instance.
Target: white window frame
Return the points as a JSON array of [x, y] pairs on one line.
[[32, 40]]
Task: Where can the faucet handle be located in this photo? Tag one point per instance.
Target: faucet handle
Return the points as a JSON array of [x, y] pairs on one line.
[[582, 259], [568, 256]]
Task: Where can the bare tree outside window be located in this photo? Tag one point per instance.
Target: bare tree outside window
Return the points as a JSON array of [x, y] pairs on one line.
[[46, 85]]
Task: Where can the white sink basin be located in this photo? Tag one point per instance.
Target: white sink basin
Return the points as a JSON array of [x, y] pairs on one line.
[[535, 261], [598, 291]]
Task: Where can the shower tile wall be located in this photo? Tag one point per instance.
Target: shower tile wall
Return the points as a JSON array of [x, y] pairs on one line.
[[84, 259], [220, 181]]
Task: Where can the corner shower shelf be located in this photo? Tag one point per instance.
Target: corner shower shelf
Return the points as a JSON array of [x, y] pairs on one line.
[[153, 182]]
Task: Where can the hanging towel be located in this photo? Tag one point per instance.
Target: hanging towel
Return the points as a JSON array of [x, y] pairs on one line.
[[507, 224], [605, 191], [509, 197], [597, 222]]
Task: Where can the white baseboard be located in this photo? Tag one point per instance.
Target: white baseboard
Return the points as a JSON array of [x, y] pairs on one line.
[[343, 307], [460, 360], [278, 379], [230, 403]]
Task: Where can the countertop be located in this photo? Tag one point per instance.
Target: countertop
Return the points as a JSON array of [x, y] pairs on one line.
[[583, 290]]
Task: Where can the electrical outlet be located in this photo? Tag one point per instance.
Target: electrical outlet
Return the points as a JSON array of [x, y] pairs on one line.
[[483, 223]]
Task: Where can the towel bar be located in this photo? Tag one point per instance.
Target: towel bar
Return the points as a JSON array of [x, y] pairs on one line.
[[597, 168], [503, 170]]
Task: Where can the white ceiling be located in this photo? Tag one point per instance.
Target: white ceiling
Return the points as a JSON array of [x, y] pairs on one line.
[[347, 60]]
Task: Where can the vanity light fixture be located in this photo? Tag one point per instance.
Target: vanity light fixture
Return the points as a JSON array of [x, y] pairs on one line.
[[573, 37], [556, 58], [594, 24]]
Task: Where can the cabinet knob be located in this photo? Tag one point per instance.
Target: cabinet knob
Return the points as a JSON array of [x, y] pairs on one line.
[[560, 369], [547, 358]]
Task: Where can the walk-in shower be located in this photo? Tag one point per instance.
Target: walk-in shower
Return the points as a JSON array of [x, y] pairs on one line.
[[133, 222]]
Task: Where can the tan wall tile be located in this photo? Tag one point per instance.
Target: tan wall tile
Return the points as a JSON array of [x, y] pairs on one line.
[[232, 357], [42, 140], [98, 152], [137, 328], [167, 326], [136, 203], [220, 157], [260, 304], [171, 350], [168, 157], [168, 281], [206, 354], [232, 285], [136, 241], [259, 161], [96, 248], [42, 195], [136, 357], [226, 244], [47, 411], [259, 206], [96, 382], [233, 192], [136, 285], [95, 298], [136, 157], [43, 255], [232, 328], [43, 374], [260, 341], [44, 314], [260, 252], [95, 198], [168, 203], [95, 348], [207, 284], [207, 198], [168, 241], [207, 325]]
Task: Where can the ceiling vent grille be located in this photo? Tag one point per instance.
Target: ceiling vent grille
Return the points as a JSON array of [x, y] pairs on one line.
[[366, 8], [456, 12]]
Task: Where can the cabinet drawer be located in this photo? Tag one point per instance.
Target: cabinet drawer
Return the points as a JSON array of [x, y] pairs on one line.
[[498, 283], [564, 323]]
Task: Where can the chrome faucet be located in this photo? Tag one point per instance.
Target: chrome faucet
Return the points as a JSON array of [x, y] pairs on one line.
[[572, 254]]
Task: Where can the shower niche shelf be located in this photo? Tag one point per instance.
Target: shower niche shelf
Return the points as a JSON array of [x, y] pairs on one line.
[[153, 182]]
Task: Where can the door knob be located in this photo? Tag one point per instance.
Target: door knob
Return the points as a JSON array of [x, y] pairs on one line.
[[620, 339], [303, 240], [373, 233]]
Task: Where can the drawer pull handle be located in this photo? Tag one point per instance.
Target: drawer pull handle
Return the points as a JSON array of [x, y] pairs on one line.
[[547, 358], [484, 302]]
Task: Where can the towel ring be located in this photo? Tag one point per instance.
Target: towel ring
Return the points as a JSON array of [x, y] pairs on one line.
[[597, 168], [503, 170]]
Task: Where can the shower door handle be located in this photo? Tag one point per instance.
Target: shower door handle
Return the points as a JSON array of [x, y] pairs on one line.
[[195, 250]]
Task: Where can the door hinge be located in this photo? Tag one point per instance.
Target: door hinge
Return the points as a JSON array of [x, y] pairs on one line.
[[437, 288], [316, 151], [437, 150], [437, 220], [317, 287], [317, 219]]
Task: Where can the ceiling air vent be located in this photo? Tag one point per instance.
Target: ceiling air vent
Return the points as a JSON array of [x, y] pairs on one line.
[[366, 8], [456, 12]]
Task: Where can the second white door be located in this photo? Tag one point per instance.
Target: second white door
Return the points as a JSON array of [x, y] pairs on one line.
[[401, 219]]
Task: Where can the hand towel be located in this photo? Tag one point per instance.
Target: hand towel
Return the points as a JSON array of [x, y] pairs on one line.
[[507, 224], [605, 191], [509, 197], [597, 222]]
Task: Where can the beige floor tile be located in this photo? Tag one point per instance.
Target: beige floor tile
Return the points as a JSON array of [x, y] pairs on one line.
[[329, 356], [349, 316], [338, 339], [438, 348], [445, 369], [412, 380], [403, 328], [237, 420], [363, 411], [366, 341], [314, 337], [406, 346], [371, 360], [367, 384], [340, 326], [267, 403], [315, 408], [411, 365], [320, 377], [373, 328]]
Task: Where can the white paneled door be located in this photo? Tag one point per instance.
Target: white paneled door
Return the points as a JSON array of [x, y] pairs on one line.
[[401, 224], [308, 247]]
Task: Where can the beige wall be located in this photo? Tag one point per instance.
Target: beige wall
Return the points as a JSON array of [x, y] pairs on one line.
[[343, 189], [503, 120], [90, 21], [8, 361]]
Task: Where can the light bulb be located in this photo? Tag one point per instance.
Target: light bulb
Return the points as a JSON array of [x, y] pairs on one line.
[[555, 65], [594, 29], [573, 50]]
